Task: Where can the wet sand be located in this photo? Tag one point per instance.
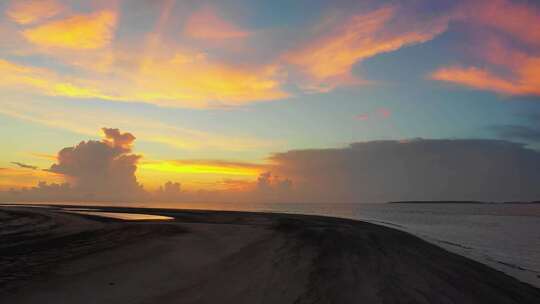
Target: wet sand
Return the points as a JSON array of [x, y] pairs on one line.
[[50, 256]]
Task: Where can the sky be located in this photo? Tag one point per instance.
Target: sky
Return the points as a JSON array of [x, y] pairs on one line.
[[345, 101]]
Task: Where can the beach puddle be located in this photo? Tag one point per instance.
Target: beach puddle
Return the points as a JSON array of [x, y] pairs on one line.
[[125, 216]]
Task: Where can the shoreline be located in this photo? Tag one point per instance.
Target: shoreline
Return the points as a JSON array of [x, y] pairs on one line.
[[239, 256]]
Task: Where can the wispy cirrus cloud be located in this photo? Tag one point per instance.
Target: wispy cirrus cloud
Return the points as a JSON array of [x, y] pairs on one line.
[[47, 82], [79, 32], [526, 80], [188, 80], [169, 71], [192, 79], [207, 24], [64, 116], [517, 19], [30, 11], [328, 58], [186, 68], [508, 50], [379, 113]]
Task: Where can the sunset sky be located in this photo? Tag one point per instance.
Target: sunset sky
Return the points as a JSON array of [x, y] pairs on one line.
[[217, 93]]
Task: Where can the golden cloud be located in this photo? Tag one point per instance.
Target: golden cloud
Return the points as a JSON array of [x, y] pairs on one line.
[[15, 76], [187, 79], [191, 79], [78, 32]]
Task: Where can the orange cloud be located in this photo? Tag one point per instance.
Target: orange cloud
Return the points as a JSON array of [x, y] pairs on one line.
[[31, 11], [328, 59], [507, 69], [206, 24], [171, 76], [79, 32], [475, 78], [527, 82]]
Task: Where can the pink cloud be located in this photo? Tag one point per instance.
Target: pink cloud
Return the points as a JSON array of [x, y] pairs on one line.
[[207, 24], [30, 11], [381, 113], [326, 60], [362, 117], [384, 112], [505, 67]]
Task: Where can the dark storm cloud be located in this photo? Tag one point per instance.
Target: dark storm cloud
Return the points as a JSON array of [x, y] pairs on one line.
[[529, 132], [379, 171], [518, 132]]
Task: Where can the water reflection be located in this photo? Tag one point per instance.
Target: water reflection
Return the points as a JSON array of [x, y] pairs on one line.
[[124, 216]]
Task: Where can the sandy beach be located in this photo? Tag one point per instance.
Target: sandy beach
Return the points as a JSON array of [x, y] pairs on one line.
[[48, 255]]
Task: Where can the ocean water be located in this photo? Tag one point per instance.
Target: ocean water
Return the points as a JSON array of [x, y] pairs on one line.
[[503, 236]]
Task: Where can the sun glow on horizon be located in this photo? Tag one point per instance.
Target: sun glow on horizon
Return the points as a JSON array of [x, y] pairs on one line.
[[201, 168]]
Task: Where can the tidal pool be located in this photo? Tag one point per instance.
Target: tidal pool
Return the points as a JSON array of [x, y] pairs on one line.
[[124, 216]]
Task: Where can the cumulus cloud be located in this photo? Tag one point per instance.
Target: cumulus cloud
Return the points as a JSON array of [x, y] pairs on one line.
[[169, 192], [375, 171], [379, 171], [101, 169], [268, 182]]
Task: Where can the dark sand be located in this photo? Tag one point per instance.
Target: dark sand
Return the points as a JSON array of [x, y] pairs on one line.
[[48, 256]]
